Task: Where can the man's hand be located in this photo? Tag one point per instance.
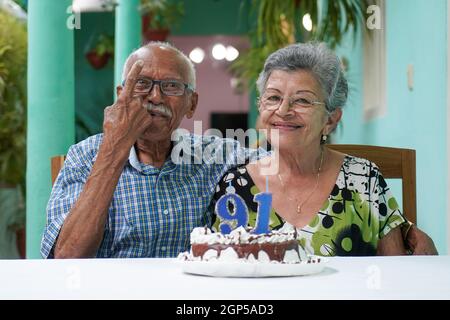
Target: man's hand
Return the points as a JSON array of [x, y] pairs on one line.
[[127, 118], [419, 242]]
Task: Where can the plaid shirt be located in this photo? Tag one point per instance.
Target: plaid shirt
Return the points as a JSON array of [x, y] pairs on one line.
[[153, 210]]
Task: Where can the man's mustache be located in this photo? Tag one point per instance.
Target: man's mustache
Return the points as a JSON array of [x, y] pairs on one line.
[[160, 108]]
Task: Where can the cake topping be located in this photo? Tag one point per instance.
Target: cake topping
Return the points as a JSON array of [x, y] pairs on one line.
[[280, 246]]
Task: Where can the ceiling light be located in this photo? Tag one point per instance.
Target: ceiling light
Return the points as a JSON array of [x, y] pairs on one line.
[[219, 51], [197, 55], [232, 53], [307, 22]]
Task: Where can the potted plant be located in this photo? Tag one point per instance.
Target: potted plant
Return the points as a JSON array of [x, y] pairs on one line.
[[13, 66], [277, 25], [158, 16], [101, 51]]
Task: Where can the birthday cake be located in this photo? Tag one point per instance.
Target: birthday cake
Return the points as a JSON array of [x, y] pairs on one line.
[[277, 246]]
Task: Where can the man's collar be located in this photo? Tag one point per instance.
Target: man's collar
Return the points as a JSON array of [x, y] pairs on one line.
[[134, 160], [148, 169]]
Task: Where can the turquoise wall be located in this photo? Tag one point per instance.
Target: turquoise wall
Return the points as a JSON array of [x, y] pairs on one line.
[[211, 17], [94, 88], [415, 34]]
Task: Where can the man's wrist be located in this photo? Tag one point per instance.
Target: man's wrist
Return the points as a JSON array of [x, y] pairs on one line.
[[117, 152]]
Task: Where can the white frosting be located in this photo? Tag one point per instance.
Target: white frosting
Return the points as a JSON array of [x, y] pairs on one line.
[[291, 256], [263, 256], [251, 258], [228, 255], [210, 254], [241, 236]]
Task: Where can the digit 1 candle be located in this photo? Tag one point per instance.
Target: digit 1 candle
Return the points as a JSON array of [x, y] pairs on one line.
[[264, 200]]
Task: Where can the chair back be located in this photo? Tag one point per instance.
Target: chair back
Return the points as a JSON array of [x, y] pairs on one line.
[[56, 164], [394, 163]]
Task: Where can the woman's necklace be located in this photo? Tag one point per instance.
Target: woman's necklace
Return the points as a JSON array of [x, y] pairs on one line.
[[301, 204]]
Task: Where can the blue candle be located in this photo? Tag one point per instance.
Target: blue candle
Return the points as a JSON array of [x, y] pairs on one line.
[[238, 215], [264, 200]]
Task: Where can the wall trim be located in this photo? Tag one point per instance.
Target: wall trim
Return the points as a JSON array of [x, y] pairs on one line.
[[374, 66], [448, 130]]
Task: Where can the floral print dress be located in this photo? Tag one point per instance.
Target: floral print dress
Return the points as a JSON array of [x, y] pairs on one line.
[[359, 211]]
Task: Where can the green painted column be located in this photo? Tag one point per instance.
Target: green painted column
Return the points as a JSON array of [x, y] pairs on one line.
[[50, 104], [127, 34]]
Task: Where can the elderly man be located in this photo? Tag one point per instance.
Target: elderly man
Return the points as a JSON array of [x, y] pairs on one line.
[[120, 194]]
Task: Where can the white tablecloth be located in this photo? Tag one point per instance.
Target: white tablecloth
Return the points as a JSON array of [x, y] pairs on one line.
[[344, 278]]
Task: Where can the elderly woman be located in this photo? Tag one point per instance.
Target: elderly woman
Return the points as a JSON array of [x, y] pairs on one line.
[[340, 204]]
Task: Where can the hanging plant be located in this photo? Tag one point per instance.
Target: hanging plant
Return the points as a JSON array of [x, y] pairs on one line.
[[280, 23], [158, 16], [102, 50]]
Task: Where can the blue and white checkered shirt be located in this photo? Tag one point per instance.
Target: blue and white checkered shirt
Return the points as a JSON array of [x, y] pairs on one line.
[[153, 210]]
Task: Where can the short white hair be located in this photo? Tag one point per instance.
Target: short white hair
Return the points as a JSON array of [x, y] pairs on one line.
[[187, 61], [318, 59]]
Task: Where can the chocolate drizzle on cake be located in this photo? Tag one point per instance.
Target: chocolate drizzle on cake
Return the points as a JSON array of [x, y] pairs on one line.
[[279, 246], [275, 251]]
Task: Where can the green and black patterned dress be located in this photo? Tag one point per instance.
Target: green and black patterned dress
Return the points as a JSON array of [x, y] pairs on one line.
[[358, 213]]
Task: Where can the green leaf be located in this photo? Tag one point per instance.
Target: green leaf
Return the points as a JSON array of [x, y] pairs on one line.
[[163, 14], [331, 19], [13, 64]]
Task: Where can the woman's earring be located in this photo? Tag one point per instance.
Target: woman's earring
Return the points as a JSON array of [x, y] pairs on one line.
[[324, 138]]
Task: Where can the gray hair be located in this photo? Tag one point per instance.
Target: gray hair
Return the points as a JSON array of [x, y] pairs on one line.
[[316, 58], [187, 61]]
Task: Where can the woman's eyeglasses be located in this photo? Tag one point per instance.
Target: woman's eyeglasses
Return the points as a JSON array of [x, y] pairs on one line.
[[297, 103]]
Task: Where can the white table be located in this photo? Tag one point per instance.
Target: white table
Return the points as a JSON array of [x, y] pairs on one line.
[[344, 278]]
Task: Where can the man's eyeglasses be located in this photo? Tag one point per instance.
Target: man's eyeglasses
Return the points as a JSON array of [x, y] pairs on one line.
[[167, 87], [298, 103]]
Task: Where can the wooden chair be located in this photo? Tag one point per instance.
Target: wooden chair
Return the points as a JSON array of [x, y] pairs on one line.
[[56, 164], [394, 163]]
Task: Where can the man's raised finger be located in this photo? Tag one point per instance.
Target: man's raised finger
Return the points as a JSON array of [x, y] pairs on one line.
[[130, 82]]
